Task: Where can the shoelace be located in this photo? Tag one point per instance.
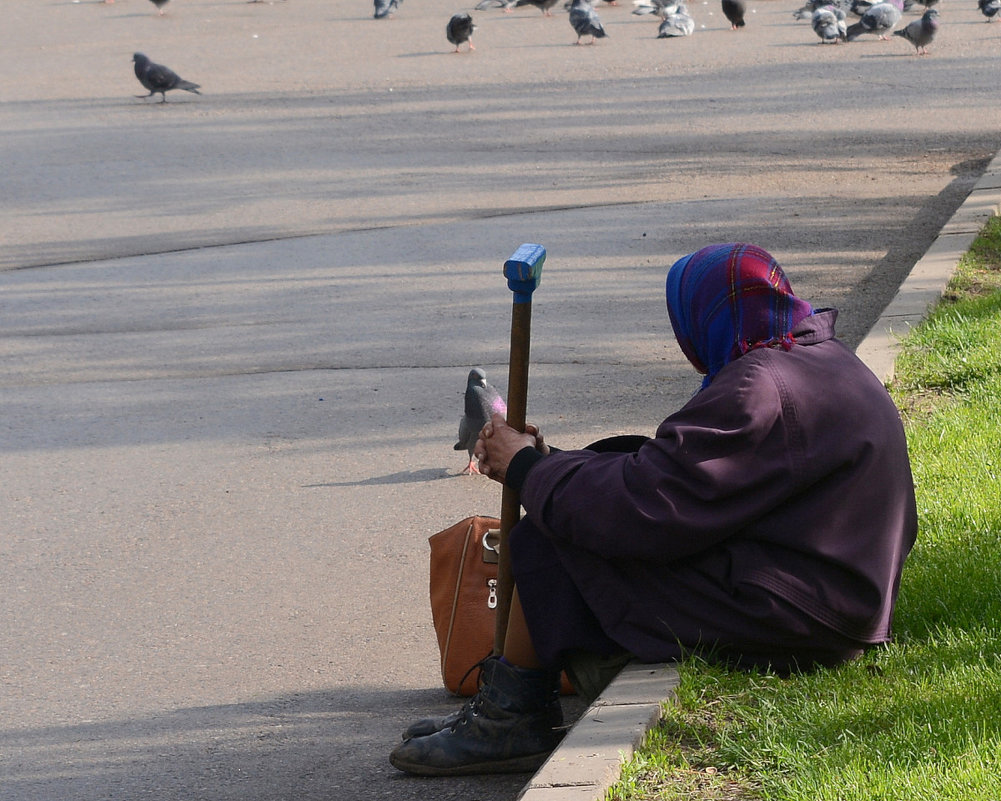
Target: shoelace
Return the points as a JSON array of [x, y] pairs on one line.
[[471, 708]]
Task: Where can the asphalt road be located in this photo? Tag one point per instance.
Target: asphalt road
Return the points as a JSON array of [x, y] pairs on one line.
[[235, 329]]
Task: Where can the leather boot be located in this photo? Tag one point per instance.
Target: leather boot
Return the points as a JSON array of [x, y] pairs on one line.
[[510, 726], [429, 725], [426, 726]]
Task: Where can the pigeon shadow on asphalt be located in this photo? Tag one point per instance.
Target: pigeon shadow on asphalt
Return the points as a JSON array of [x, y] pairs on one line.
[[402, 477]]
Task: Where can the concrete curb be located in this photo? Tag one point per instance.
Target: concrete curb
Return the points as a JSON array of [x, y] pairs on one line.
[[590, 758], [929, 276]]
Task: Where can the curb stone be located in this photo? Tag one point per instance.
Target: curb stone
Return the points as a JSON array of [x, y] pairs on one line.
[[590, 758], [929, 276]]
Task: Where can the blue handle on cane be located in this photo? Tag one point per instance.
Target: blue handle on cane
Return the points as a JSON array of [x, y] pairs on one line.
[[524, 271]]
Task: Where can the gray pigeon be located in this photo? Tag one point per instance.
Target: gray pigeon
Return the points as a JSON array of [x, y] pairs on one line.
[[859, 7], [545, 6], [921, 32], [159, 5], [660, 8], [878, 20], [734, 11], [158, 78], [677, 22], [585, 21], [989, 8], [481, 401], [807, 10], [829, 23], [385, 8], [460, 29], [505, 5]]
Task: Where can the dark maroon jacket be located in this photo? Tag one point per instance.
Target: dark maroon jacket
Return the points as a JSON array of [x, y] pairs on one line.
[[788, 474]]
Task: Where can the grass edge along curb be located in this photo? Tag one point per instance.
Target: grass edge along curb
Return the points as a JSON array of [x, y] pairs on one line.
[[919, 718]]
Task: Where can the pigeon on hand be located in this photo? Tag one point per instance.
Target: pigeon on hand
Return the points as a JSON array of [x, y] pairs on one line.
[[676, 23], [989, 8], [734, 11], [481, 401], [921, 32], [460, 29], [585, 21], [158, 78], [829, 23], [385, 8], [545, 6], [879, 20], [159, 5]]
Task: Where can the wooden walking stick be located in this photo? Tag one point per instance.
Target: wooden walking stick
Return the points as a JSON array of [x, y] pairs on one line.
[[523, 272]]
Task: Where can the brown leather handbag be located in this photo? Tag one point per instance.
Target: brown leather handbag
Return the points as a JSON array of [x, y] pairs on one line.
[[464, 597], [464, 600]]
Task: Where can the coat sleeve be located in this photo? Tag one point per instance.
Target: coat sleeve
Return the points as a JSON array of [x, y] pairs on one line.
[[726, 458]]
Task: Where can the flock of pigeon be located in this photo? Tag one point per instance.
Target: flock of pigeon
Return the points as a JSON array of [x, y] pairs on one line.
[[676, 21], [877, 17], [828, 18]]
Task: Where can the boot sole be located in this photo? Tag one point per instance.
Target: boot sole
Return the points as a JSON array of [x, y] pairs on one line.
[[525, 764]]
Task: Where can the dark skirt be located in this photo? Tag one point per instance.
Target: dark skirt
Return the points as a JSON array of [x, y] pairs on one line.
[[748, 627]]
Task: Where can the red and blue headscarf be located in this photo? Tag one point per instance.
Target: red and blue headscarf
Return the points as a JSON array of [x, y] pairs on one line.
[[725, 300]]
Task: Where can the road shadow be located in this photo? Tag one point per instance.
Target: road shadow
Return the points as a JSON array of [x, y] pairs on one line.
[[301, 746]]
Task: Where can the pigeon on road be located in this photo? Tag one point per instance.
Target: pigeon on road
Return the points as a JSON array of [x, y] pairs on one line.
[[807, 10], [545, 6], [830, 24], [481, 401], [159, 5], [921, 32], [507, 6], [656, 7], [385, 8], [158, 78], [585, 21], [460, 29], [734, 11], [677, 22], [878, 20], [989, 8], [859, 7]]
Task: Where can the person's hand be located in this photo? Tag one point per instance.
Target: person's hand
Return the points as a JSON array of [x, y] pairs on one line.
[[498, 443], [540, 444]]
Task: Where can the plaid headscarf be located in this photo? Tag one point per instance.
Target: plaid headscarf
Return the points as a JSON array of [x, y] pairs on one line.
[[725, 300]]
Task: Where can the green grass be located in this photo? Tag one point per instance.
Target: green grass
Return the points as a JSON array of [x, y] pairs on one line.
[[919, 718]]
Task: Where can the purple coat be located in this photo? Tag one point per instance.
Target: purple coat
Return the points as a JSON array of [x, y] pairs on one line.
[[782, 489]]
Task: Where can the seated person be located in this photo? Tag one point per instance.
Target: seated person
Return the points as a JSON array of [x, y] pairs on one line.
[[765, 525]]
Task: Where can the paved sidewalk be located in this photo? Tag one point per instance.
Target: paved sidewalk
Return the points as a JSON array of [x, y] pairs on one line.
[[236, 326], [590, 759]]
